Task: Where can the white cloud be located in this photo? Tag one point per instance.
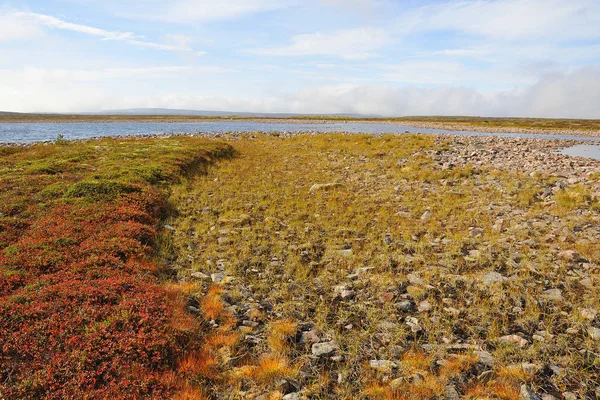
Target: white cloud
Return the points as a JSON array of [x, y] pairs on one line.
[[569, 95], [12, 28], [23, 25], [352, 44], [509, 19]]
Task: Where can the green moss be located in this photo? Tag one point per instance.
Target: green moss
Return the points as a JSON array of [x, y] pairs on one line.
[[100, 190]]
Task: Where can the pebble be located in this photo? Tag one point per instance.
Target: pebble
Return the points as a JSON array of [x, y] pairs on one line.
[[217, 277], [552, 295], [514, 339], [199, 275], [527, 394], [594, 333], [383, 366], [492, 277], [324, 348]]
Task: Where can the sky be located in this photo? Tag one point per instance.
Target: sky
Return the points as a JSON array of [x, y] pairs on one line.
[[522, 58]]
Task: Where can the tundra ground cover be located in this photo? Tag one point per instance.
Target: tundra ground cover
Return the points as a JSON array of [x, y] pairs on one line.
[[358, 267], [82, 312]]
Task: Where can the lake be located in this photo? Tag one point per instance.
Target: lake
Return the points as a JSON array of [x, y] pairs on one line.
[[37, 132]]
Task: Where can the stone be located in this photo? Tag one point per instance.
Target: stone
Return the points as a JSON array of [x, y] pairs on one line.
[[324, 348], [424, 306], [492, 277], [310, 337], [383, 366], [569, 396], [569, 255], [200, 276], [292, 396], [217, 277], [589, 313], [169, 228], [426, 216], [414, 324], [345, 253], [476, 232], [450, 393], [594, 333], [485, 358], [552, 295], [347, 294], [527, 394], [514, 339], [324, 187], [414, 279], [405, 306]]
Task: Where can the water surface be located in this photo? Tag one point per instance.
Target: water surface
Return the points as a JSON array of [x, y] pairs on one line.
[[36, 132], [583, 150]]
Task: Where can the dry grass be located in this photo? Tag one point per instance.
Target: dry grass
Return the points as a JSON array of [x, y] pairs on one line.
[[336, 262]]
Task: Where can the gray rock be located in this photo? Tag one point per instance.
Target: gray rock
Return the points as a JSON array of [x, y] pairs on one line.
[[383, 366], [492, 277], [527, 394], [552, 295], [569, 255], [514, 339], [169, 228], [594, 333], [426, 216], [589, 313], [292, 396], [217, 277], [310, 337], [424, 306], [324, 348], [450, 393], [570, 396], [200, 275], [414, 324], [476, 232], [405, 306], [324, 186]]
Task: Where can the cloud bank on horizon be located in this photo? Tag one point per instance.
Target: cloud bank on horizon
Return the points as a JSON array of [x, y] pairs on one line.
[[531, 58]]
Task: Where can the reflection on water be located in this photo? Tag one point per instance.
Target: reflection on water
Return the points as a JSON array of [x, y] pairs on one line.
[[583, 150], [35, 132]]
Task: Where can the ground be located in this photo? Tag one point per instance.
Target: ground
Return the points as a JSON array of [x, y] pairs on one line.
[[308, 266], [354, 266]]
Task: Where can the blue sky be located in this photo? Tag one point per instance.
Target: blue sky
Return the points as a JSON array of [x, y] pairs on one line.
[[383, 57]]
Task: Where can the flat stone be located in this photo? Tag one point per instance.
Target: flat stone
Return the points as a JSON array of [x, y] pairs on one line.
[[383, 366], [514, 339], [310, 337], [414, 324], [527, 394], [324, 186], [570, 255], [426, 216], [405, 306], [199, 275], [589, 313], [324, 348], [217, 277], [552, 295], [492, 277], [594, 333], [292, 396], [450, 393], [424, 306]]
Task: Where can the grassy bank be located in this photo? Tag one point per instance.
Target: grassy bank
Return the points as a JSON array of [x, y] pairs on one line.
[[82, 311]]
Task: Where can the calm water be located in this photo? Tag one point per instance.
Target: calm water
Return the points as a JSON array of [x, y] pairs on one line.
[[35, 132], [583, 150]]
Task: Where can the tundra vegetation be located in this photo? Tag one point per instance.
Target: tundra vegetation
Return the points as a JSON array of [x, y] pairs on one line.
[[325, 266]]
